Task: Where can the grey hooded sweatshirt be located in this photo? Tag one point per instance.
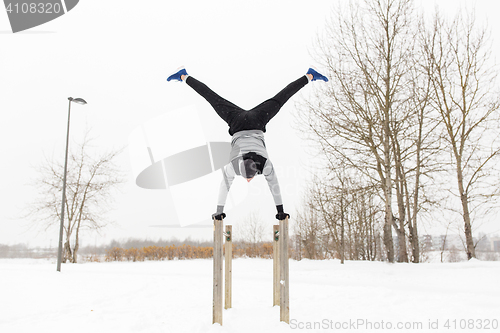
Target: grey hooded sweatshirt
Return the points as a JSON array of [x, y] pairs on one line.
[[245, 142]]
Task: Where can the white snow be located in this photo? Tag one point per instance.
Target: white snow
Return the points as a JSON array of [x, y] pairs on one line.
[[176, 296]]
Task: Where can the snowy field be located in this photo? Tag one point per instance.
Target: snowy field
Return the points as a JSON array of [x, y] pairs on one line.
[[176, 296]]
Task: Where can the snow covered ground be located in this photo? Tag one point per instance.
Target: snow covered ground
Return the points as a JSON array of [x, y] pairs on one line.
[[176, 296]]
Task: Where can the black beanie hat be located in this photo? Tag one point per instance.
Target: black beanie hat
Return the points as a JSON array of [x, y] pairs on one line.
[[248, 168]]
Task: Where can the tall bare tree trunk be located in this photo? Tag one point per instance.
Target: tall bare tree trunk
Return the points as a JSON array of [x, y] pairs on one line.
[[412, 218], [399, 182], [342, 230], [469, 242], [77, 244], [68, 255], [388, 241]]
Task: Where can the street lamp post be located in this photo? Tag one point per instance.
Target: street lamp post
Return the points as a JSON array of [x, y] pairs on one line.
[[61, 228]]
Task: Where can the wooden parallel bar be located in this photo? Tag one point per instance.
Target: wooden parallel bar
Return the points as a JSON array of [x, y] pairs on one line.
[[284, 278], [229, 267], [218, 278], [276, 265]]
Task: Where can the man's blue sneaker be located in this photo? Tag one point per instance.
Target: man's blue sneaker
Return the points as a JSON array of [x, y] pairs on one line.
[[316, 75], [177, 75]]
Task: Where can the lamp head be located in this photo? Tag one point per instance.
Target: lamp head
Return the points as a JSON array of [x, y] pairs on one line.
[[80, 101]]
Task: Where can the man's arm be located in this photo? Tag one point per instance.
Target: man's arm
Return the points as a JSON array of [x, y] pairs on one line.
[[272, 180], [228, 175]]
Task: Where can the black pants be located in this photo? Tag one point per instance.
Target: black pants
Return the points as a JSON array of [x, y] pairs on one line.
[[239, 119]]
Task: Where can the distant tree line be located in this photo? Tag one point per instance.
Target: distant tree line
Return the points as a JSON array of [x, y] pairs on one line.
[[316, 247], [183, 252], [24, 251]]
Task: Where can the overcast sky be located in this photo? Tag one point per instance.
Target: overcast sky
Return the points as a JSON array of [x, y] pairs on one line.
[[117, 55]]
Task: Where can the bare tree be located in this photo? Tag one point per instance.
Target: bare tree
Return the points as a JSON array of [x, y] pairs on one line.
[[91, 181], [252, 231], [367, 110], [309, 226], [464, 93], [417, 150], [443, 244], [339, 219]]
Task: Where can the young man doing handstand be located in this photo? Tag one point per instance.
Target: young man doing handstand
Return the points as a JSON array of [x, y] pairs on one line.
[[248, 156]]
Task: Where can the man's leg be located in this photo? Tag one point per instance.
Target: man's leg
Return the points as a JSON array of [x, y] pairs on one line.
[[268, 109], [225, 109]]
